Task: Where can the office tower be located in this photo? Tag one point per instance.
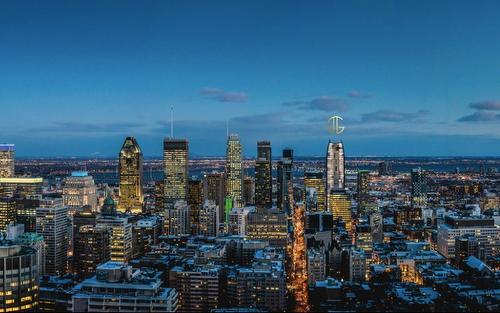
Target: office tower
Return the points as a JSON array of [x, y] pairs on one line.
[[214, 189], [26, 213], [175, 166], [52, 223], [285, 180], [466, 246], [483, 228], [176, 219], [37, 242], [418, 188], [377, 227], [117, 287], [363, 192], [316, 266], [159, 196], [79, 190], [120, 230], [383, 168], [7, 212], [91, 248], [20, 286], [354, 261], [335, 166], [130, 171], [209, 219], [249, 190], [318, 222], [268, 226], [234, 169], [238, 220], [364, 239], [263, 176], [7, 160], [314, 191], [340, 206], [195, 201], [198, 288], [145, 233], [21, 187]]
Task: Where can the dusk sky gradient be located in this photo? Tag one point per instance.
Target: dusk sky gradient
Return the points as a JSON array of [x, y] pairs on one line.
[[409, 77]]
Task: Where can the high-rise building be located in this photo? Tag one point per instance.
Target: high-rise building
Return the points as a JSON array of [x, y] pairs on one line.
[[130, 171], [7, 160], [238, 220], [316, 266], [315, 191], [263, 176], [340, 205], [234, 169], [335, 166], [209, 219], [268, 226], [214, 189], [117, 287], [176, 167], [195, 202], [7, 212], [21, 187], [53, 224], [26, 212], [20, 286], [159, 191], [418, 188], [377, 227], [91, 248], [363, 192], [120, 230], [285, 180], [248, 191], [176, 220], [79, 190], [145, 234], [198, 288]]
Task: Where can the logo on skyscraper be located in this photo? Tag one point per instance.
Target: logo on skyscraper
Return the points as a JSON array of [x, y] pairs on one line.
[[334, 125]]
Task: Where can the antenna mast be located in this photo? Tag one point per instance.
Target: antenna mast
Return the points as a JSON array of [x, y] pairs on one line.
[[172, 121]]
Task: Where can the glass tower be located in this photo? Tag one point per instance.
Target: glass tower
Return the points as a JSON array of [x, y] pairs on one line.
[[6, 160], [130, 171], [175, 166], [234, 170], [263, 176]]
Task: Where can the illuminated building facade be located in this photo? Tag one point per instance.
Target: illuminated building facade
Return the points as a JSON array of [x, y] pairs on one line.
[[79, 190], [52, 223], [284, 180], [209, 219], [263, 176], [175, 166], [145, 233], [21, 187], [120, 230], [214, 189], [340, 206], [234, 169], [315, 191], [363, 190], [91, 248], [130, 180], [418, 188], [7, 160], [7, 212], [195, 202], [268, 226], [335, 166], [249, 190], [19, 279], [176, 220]]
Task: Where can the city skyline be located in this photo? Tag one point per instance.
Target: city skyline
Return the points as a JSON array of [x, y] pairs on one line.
[[406, 82]]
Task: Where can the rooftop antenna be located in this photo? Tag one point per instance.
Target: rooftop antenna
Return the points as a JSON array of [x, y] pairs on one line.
[[172, 121], [227, 128]]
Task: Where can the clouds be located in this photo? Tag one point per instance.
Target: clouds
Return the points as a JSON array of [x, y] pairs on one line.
[[88, 128], [358, 95], [322, 103], [221, 95], [485, 112], [393, 116]]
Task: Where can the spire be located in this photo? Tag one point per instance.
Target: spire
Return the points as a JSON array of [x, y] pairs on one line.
[[172, 121], [227, 128]]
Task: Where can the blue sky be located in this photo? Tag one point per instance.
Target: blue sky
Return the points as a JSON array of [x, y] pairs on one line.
[[409, 77]]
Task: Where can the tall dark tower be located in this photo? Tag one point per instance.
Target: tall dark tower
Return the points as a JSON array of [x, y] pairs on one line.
[[418, 188], [130, 171], [284, 179], [263, 176], [335, 170], [175, 166]]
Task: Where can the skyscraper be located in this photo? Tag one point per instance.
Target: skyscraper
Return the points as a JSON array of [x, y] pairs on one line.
[[176, 219], [363, 189], [7, 212], [234, 170], [214, 189], [263, 176], [175, 166], [284, 180], [315, 191], [195, 202], [79, 190], [335, 166], [418, 188], [130, 171], [339, 204], [52, 223], [91, 248], [6, 160]]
